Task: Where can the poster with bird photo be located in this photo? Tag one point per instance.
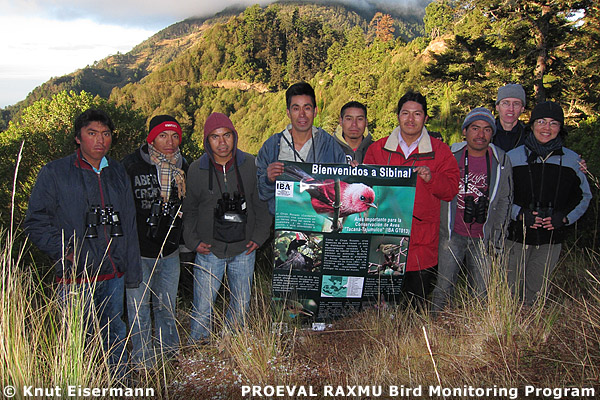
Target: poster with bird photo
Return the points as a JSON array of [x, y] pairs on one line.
[[341, 236], [336, 198]]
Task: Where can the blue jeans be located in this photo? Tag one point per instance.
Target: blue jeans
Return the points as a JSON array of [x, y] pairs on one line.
[[452, 254], [208, 276], [160, 279], [107, 307]]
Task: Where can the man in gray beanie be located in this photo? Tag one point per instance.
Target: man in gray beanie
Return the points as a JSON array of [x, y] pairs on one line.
[[510, 104], [477, 218]]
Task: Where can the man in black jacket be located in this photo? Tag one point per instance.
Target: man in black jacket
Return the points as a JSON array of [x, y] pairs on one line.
[[81, 215], [510, 104], [157, 171]]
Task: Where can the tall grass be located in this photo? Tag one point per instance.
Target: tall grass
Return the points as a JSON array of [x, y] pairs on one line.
[[45, 342], [496, 342]]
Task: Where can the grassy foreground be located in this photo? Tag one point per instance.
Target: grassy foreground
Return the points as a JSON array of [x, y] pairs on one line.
[[553, 347], [388, 353]]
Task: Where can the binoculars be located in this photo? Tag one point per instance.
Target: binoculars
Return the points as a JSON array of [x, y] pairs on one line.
[[476, 211], [158, 211], [97, 215], [161, 209], [543, 212], [227, 206]]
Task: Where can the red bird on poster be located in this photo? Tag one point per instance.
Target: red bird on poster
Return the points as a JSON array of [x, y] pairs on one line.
[[354, 197]]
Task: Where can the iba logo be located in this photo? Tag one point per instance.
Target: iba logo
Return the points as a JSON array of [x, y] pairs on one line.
[[284, 189]]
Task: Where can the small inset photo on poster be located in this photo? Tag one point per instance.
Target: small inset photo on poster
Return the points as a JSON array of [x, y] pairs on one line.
[[342, 286], [294, 309], [298, 251], [387, 255]]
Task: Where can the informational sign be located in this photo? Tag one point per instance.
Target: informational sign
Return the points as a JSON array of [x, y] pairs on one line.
[[341, 238]]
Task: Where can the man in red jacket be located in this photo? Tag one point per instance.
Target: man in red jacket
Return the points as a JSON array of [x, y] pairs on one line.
[[411, 145]]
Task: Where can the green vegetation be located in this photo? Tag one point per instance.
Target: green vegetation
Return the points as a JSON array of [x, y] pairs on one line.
[[240, 63]]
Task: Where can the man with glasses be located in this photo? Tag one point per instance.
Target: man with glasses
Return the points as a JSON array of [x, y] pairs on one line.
[[510, 104]]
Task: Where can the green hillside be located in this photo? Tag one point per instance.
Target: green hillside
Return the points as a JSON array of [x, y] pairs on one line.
[[118, 70], [240, 63]]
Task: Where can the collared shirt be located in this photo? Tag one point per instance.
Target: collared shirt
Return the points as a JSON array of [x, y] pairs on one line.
[[103, 164], [287, 153], [408, 149]]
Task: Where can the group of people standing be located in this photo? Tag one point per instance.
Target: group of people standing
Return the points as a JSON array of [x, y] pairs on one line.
[[116, 229]]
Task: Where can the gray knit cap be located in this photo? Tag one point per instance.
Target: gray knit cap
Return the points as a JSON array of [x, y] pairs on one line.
[[512, 90], [480, 114]]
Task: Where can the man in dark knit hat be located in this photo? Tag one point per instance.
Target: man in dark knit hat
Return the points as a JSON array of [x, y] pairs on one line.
[[224, 223], [157, 172], [476, 219]]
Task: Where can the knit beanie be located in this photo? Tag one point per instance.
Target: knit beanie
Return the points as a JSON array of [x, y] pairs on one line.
[[512, 90], [548, 109], [480, 114], [161, 123]]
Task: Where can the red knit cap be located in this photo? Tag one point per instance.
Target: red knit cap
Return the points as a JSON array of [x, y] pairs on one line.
[[162, 123]]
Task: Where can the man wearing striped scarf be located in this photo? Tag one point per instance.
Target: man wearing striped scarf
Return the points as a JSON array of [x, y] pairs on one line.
[[157, 171]]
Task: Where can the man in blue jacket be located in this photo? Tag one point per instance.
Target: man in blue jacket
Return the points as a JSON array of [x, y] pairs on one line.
[[300, 141], [81, 214]]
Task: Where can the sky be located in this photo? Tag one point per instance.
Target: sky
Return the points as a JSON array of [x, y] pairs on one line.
[[41, 39]]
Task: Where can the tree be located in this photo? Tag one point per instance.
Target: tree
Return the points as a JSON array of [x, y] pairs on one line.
[[439, 17], [384, 26], [46, 128]]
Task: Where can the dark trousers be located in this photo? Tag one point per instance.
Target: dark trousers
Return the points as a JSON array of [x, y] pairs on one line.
[[418, 285]]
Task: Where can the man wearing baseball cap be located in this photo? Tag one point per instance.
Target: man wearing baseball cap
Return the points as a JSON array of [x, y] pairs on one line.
[[224, 223], [477, 217], [157, 172]]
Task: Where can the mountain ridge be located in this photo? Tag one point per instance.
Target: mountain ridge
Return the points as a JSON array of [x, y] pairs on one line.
[[118, 70]]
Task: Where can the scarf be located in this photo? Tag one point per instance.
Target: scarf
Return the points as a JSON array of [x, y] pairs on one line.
[[543, 149], [168, 171]]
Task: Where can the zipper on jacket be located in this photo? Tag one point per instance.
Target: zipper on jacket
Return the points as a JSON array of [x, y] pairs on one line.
[[106, 236]]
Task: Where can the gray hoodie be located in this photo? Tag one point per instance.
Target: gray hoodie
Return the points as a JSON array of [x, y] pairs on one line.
[[361, 150]]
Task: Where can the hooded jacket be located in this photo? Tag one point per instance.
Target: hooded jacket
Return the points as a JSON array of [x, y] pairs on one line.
[[326, 150], [201, 201], [500, 199], [361, 150], [146, 191], [433, 153], [64, 191]]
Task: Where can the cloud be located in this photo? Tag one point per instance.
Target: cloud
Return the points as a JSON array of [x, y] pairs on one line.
[[157, 14], [35, 49]]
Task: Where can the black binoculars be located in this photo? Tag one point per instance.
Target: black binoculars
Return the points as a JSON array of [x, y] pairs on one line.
[[476, 211], [161, 209], [543, 212], [97, 215], [230, 206]]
